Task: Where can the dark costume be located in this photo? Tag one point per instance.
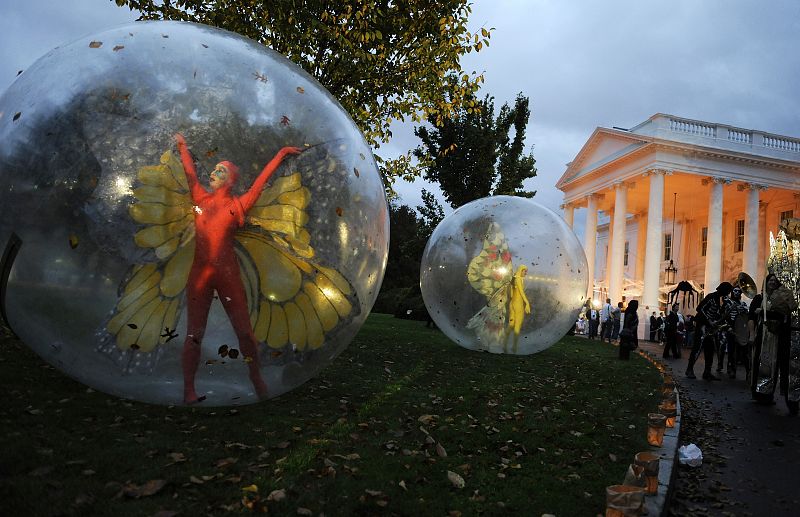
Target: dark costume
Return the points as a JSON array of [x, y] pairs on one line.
[[771, 360], [628, 339], [671, 336], [735, 341], [653, 327], [708, 322]]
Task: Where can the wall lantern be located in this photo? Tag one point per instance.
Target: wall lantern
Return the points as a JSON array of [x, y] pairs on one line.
[[670, 273]]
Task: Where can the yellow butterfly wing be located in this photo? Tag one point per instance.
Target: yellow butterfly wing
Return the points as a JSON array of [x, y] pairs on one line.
[[293, 300], [491, 270], [151, 297]]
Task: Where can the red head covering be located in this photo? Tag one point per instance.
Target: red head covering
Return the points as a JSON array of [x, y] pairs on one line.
[[233, 171]]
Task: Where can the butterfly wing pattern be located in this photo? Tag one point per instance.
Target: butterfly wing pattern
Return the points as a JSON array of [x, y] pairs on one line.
[[151, 297], [292, 301], [491, 273]]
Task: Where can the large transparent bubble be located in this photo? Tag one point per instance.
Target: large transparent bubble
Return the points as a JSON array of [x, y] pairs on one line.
[[505, 275], [118, 247]]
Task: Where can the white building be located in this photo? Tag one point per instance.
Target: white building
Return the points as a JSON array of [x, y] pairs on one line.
[[701, 194]]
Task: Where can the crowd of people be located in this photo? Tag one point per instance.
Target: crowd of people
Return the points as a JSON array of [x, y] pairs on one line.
[[727, 331]]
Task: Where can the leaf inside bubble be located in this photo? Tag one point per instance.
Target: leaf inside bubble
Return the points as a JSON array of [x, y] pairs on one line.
[[95, 44]]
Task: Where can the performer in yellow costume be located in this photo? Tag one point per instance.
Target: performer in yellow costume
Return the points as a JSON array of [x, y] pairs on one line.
[[492, 274]]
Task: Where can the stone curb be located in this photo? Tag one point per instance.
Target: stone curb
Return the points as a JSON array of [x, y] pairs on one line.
[[656, 505]]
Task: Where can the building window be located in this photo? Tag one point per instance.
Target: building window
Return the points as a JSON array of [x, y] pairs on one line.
[[703, 241], [787, 214], [739, 235], [625, 257], [668, 246]]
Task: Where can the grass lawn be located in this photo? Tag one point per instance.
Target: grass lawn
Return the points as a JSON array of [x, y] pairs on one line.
[[402, 423]]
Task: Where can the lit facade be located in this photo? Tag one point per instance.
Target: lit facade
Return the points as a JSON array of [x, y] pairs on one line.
[[701, 194]]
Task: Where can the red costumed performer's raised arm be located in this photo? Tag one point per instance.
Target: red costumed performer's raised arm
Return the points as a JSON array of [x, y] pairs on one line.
[[218, 214]]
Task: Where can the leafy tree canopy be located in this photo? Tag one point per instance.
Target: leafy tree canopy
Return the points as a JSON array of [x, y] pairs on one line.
[[472, 155], [385, 61]]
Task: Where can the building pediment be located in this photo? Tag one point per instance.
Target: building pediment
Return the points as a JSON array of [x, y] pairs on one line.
[[604, 146]]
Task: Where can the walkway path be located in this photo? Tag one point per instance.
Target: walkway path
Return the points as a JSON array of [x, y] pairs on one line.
[[751, 452]]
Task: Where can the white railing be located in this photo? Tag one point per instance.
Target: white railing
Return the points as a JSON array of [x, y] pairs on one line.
[[691, 127], [735, 135], [739, 136], [784, 144]]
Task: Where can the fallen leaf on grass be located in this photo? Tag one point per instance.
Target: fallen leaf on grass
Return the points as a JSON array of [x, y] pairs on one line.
[[455, 479], [226, 462], [426, 419], [612, 457], [176, 457], [374, 493], [440, 450], [303, 511], [277, 495], [402, 485], [253, 489], [135, 491]]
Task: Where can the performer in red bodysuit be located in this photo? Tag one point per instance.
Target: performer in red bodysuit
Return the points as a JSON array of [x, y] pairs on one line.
[[218, 215]]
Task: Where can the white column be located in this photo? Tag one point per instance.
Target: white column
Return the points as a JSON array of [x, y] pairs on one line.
[[590, 239], [618, 243], [750, 263], [714, 248], [641, 239], [655, 239], [569, 213]]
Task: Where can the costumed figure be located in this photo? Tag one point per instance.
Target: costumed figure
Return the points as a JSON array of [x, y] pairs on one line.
[[628, 340], [492, 274], [736, 335], [776, 357], [252, 250], [723, 342], [776, 354], [671, 334], [709, 321]]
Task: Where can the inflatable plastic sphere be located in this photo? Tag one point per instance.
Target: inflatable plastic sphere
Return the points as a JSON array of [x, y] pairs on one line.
[[505, 275], [189, 216]]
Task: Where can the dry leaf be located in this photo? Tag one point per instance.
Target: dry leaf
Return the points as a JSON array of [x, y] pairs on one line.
[[253, 489], [455, 479], [303, 511], [440, 450], [374, 493], [277, 495], [226, 462], [426, 419], [402, 485], [196, 480], [95, 44], [300, 89], [152, 487]]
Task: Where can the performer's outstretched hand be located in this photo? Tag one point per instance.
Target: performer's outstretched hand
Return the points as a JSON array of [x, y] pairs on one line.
[[290, 150]]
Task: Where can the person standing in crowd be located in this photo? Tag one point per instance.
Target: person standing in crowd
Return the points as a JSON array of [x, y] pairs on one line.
[[708, 321], [628, 340], [689, 331], [771, 363], [653, 327], [594, 322], [736, 338], [671, 334], [660, 327], [606, 320], [616, 321]]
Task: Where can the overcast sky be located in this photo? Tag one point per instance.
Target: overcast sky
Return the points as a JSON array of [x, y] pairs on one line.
[[582, 63]]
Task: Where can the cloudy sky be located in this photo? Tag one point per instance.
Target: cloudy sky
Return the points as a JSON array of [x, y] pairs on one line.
[[582, 63]]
